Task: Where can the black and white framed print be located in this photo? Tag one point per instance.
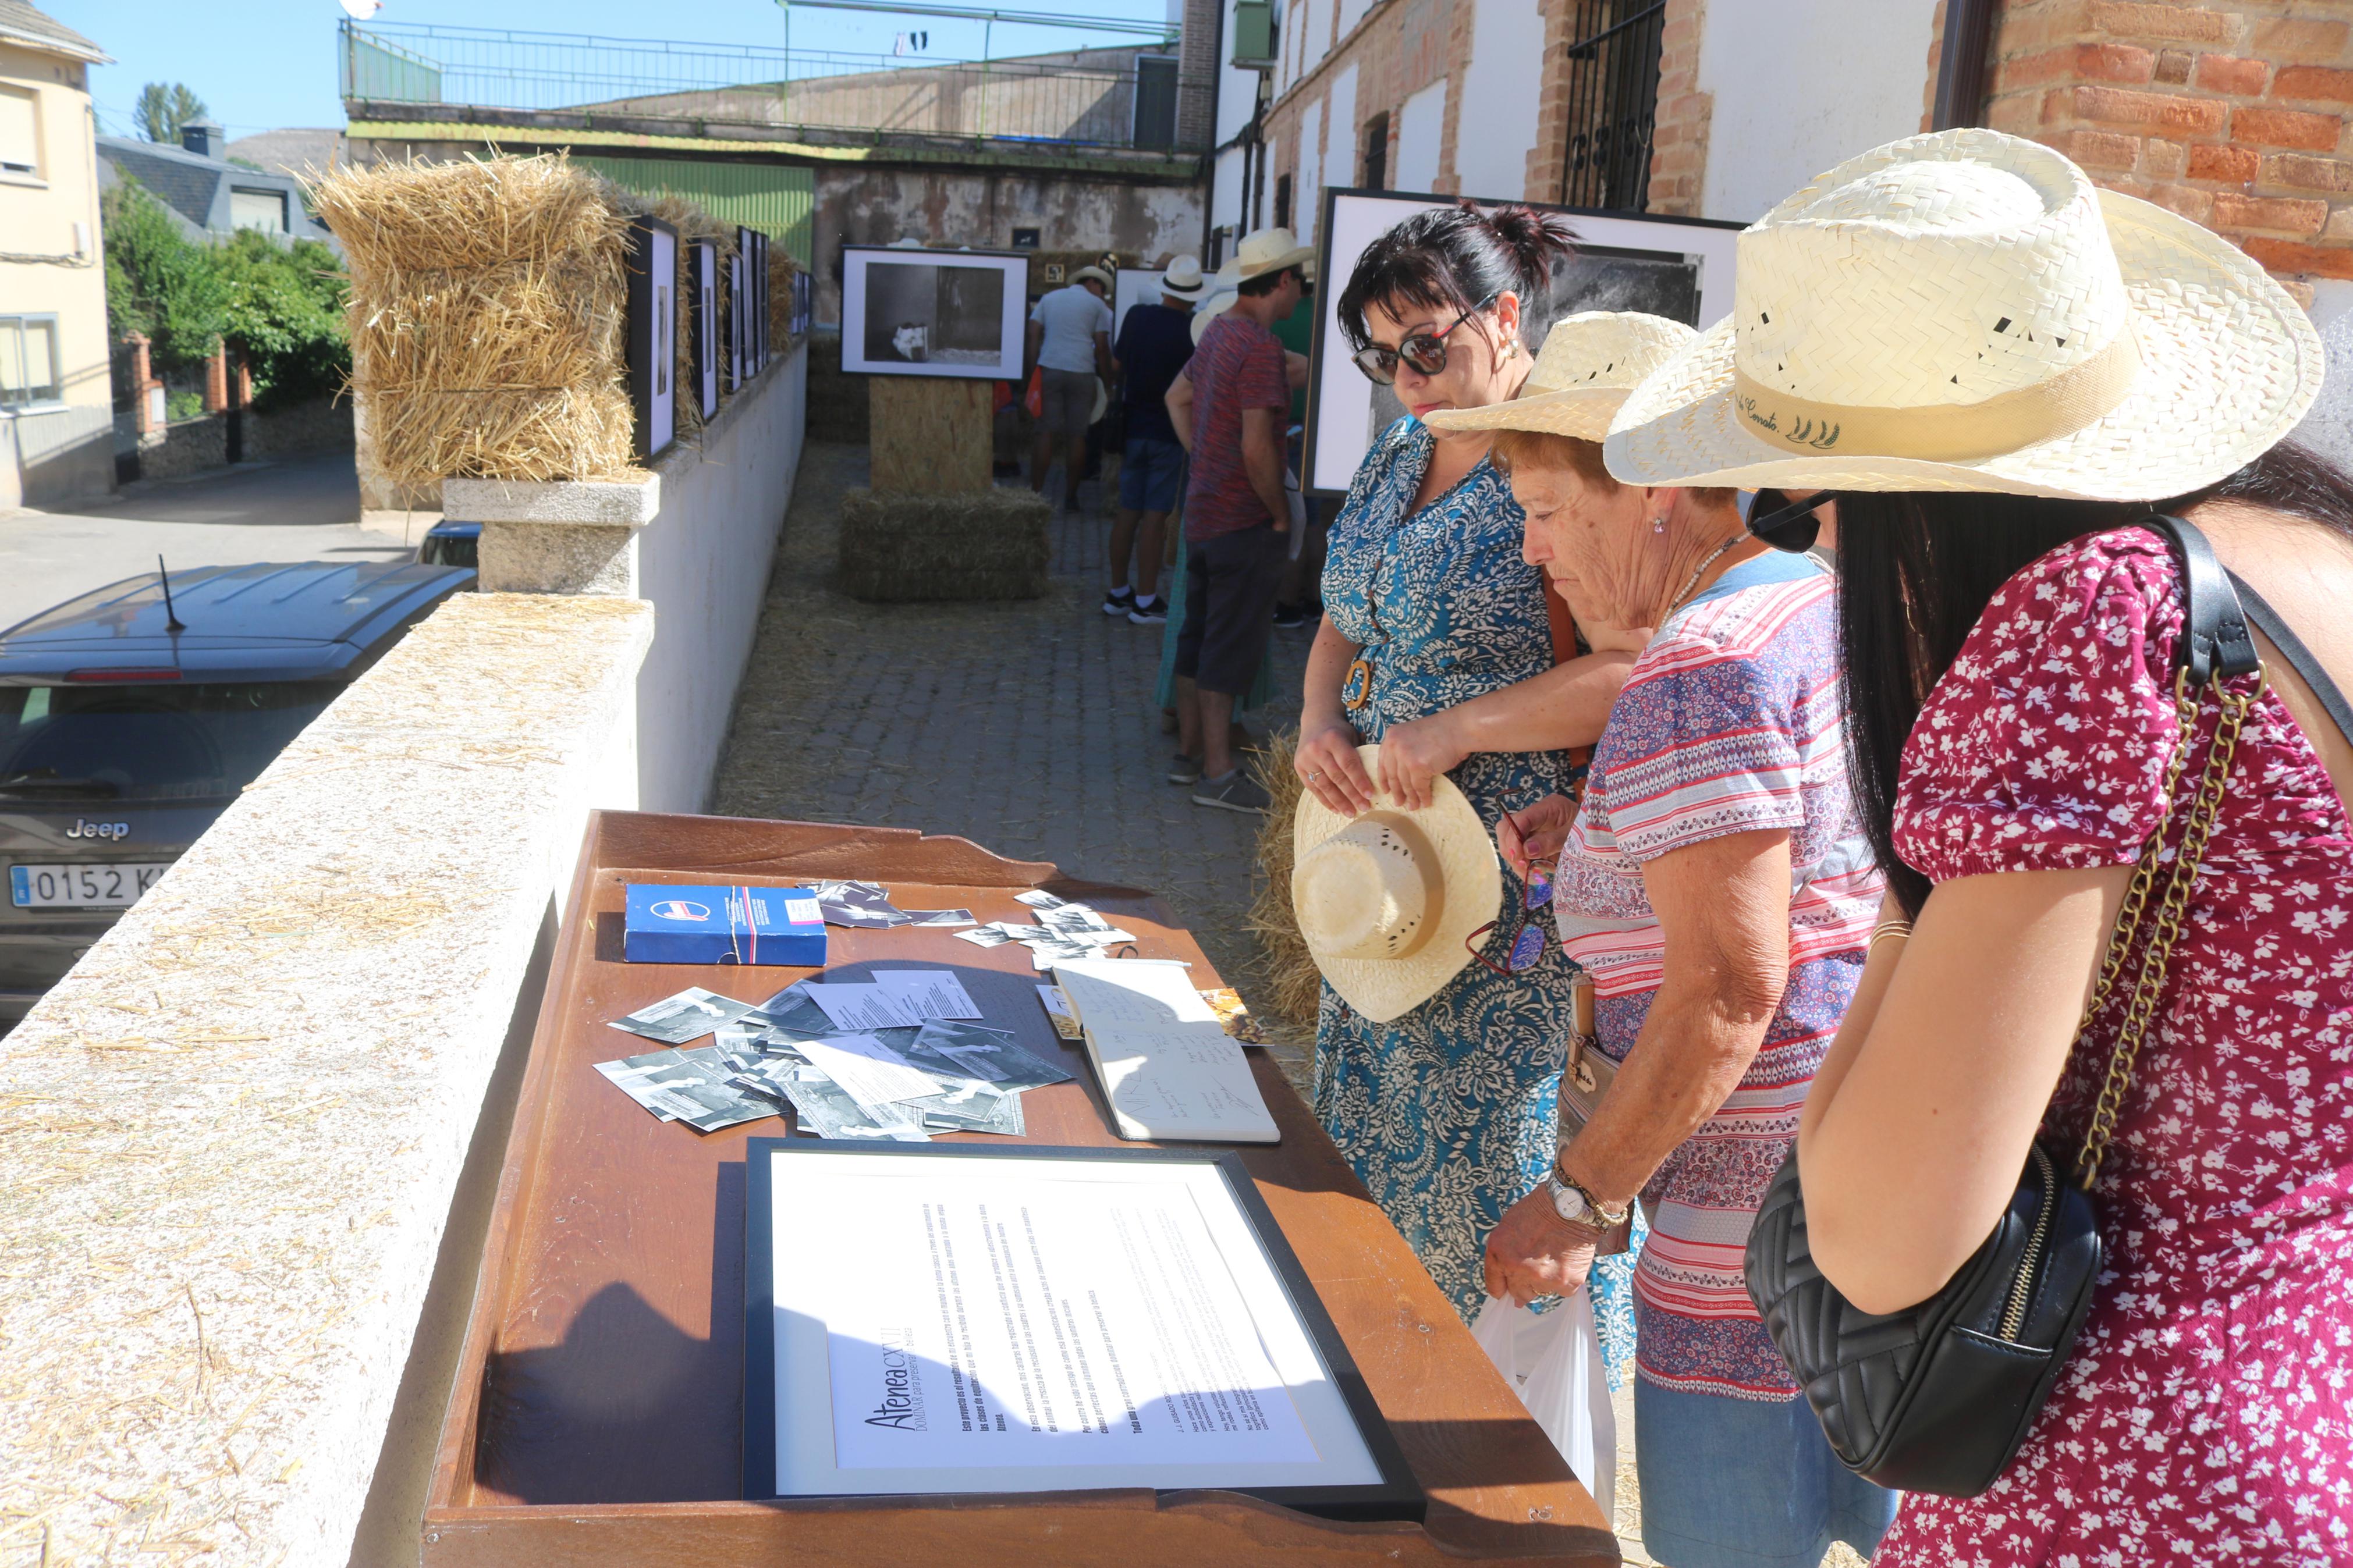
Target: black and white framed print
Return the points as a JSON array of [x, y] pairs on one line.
[[651, 300], [702, 323], [908, 312]]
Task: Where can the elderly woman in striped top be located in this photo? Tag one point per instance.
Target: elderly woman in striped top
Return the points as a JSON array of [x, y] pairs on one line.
[[1716, 887]]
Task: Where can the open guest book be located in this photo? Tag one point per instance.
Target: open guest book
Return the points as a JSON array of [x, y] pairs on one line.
[[1168, 1068]]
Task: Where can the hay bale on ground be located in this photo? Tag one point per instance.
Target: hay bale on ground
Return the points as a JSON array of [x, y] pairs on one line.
[[488, 317], [985, 546], [1292, 984]]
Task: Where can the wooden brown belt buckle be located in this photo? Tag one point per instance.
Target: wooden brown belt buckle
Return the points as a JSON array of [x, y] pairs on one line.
[[1356, 686]]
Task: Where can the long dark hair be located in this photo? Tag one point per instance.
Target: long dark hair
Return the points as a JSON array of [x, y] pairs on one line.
[[1916, 570], [1448, 259]]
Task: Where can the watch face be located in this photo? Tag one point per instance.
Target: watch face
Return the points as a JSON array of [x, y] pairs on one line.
[[1568, 1202]]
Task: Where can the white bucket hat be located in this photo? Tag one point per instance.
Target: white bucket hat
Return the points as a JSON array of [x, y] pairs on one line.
[[1183, 278], [1588, 363], [1385, 900], [1093, 275], [1964, 310]]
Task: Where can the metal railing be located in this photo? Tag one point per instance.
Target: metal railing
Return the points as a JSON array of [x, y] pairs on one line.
[[1614, 100], [1090, 100]]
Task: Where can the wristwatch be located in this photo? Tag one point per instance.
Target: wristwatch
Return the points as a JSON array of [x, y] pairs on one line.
[[1574, 1204]]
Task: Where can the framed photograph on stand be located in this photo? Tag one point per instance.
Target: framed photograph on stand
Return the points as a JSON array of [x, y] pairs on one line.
[[804, 303], [934, 312], [760, 313], [702, 323], [652, 346], [1039, 1320], [1675, 267]]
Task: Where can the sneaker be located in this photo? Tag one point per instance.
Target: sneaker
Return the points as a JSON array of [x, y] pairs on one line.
[[1119, 602], [1290, 617], [1234, 792], [1152, 615], [1184, 770]]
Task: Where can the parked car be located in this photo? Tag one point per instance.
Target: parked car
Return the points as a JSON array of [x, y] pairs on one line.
[[449, 543], [128, 723]]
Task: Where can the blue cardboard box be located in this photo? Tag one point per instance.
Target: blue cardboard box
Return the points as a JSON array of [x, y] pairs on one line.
[[722, 925]]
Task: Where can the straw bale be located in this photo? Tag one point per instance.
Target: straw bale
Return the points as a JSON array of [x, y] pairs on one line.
[[932, 434], [781, 270], [898, 547], [1293, 985], [488, 311]]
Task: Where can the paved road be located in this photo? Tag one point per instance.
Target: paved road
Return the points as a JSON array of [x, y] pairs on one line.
[[1026, 726], [293, 509]]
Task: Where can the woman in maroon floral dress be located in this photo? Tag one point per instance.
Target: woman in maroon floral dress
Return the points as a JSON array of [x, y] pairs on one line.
[[2010, 660]]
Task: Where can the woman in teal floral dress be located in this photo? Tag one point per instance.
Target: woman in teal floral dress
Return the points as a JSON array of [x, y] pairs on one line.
[[1448, 1113]]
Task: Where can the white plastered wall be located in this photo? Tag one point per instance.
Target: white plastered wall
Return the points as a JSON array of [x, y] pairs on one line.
[[1799, 88], [1340, 132], [1422, 130], [1306, 185], [1506, 80]]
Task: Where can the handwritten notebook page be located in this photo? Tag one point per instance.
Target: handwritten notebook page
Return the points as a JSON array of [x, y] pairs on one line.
[[1168, 1067]]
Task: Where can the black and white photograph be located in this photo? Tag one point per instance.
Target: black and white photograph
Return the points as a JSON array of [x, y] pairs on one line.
[[702, 322], [652, 302], [1677, 267], [915, 312]]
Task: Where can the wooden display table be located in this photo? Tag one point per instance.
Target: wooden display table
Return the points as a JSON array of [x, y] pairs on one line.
[[597, 1417]]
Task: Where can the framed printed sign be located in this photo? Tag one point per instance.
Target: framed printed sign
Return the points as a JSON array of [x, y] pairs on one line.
[[651, 302], [1679, 267], [934, 312], [1013, 1319]]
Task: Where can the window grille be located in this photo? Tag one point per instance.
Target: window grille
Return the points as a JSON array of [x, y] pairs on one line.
[[1614, 100]]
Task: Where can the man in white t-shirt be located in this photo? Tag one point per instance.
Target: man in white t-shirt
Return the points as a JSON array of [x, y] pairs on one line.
[[1070, 342]]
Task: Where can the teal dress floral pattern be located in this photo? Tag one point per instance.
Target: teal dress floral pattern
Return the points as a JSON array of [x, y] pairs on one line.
[[1450, 1113]]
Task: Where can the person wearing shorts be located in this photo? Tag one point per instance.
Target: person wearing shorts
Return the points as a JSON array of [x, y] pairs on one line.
[[1155, 342], [1227, 407], [1070, 344]]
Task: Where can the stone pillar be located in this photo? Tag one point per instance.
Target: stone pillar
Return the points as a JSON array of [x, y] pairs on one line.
[[148, 407], [573, 536], [216, 380], [1679, 142]]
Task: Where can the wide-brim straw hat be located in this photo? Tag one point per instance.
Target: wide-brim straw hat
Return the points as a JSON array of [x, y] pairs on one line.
[[1588, 363], [1216, 305], [1268, 250], [1183, 278], [1964, 310], [1384, 900], [1097, 274]]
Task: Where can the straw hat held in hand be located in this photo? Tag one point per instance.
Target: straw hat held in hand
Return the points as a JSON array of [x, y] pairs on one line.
[[1387, 898]]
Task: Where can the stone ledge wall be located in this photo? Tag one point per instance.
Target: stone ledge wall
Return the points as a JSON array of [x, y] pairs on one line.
[[230, 1139]]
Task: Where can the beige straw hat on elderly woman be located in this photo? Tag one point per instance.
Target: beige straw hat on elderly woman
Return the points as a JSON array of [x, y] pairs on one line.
[[1964, 310], [1588, 363], [1385, 900]]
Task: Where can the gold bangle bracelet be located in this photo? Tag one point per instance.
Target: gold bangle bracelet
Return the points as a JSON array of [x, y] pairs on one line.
[[1888, 928]]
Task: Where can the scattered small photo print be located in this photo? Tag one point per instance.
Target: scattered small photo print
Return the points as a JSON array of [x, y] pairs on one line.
[[688, 1016]]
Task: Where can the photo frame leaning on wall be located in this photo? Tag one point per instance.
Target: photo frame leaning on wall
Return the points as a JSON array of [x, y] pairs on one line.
[[652, 341], [702, 323], [1673, 266], [909, 312]]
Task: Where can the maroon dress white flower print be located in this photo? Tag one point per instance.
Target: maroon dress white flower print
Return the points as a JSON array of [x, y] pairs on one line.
[[2206, 1415]]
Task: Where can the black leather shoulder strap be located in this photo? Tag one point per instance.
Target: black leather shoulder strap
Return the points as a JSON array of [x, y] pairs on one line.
[[2215, 641], [2299, 657]]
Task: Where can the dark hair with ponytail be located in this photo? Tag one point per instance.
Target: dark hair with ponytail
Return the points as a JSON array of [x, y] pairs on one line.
[[1448, 259], [1915, 570]]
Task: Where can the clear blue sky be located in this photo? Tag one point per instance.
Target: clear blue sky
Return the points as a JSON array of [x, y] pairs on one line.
[[263, 64]]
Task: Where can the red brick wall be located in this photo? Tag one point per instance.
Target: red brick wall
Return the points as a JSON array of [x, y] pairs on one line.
[[2233, 115], [1679, 143]]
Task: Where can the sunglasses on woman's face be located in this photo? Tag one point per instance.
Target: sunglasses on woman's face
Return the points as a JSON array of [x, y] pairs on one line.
[[1527, 945], [1793, 527], [1426, 351]]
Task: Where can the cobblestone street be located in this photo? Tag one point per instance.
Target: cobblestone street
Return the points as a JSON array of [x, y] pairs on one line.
[[1026, 726]]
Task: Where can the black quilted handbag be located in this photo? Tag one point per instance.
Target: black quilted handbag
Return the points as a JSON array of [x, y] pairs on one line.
[[1938, 1397]]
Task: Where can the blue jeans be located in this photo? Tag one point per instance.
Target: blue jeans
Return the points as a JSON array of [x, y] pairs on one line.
[[1746, 1483], [1149, 472]]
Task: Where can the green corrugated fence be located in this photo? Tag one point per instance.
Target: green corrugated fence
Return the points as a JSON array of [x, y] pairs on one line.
[[777, 200]]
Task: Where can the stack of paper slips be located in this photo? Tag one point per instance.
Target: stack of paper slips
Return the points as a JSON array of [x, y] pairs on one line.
[[1066, 930]]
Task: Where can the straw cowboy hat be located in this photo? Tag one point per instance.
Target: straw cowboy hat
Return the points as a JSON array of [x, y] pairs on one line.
[[1384, 900], [1218, 305], [1268, 250], [1963, 310], [1096, 273], [1183, 278], [1588, 363]]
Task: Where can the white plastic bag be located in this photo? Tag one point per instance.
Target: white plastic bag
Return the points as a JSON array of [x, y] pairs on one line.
[[1553, 1362]]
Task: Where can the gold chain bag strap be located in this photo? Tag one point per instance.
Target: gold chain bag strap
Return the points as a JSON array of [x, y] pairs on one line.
[[1938, 1397]]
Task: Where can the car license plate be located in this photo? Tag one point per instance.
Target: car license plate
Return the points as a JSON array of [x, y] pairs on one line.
[[94, 886]]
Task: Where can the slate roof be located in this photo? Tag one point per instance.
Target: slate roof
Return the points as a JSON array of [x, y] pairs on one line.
[[178, 178], [20, 23]]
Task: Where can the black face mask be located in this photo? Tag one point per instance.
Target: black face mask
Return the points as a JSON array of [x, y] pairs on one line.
[[1793, 527]]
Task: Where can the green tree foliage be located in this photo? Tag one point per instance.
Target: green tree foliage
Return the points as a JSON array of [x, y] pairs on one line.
[[164, 107], [280, 306]]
